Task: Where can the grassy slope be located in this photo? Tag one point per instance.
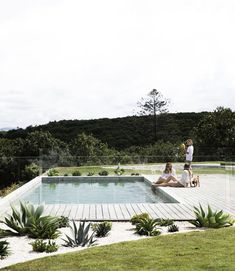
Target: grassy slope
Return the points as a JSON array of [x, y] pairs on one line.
[[209, 250]]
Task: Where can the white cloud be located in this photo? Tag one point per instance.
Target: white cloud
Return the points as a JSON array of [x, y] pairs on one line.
[[91, 59]]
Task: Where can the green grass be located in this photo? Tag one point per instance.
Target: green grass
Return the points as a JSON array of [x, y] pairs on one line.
[[208, 250], [96, 169]]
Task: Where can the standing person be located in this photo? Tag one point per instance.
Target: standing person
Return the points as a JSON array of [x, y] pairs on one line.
[[189, 151]]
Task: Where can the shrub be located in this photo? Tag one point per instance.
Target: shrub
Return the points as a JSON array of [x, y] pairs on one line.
[[90, 173], [31, 171], [80, 236], [76, 173], [53, 172], [136, 218], [147, 226], [51, 247], [173, 228], [102, 229], [4, 249], [66, 174], [135, 174], [63, 221], [103, 173], [119, 171], [7, 190], [40, 246], [216, 219], [164, 222]]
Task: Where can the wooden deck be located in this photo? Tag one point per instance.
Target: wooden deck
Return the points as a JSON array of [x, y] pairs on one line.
[[119, 212], [216, 190]]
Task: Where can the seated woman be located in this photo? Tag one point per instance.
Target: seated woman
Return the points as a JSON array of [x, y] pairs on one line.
[[173, 181], [167, 172]]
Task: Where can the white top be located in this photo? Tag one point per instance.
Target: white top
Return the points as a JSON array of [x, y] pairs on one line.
[[166, 175], [185, 178], [189, 153]]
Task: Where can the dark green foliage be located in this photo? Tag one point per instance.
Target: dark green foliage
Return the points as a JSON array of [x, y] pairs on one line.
[[119, 171], [41, 246], [51, 247], [173, 228], [44, 228], [20, 221], [135, 174], [29, 221], [136, 218], [211, 219], [103, 173], [77, 173], [4, 249], [214, 135], [147, 226], [31, 171], [164, 222], [102, 229], [53, 172], [90, 173], [80, 236], [63, 221], [120, 133]]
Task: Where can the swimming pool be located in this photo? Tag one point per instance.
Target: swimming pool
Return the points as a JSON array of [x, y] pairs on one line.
[[83, 190]]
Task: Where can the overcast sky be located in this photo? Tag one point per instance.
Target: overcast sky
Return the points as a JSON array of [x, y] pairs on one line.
[[74, 59]]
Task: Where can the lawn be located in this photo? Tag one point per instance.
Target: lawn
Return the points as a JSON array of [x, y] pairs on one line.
[[96, 169], [206, 250]]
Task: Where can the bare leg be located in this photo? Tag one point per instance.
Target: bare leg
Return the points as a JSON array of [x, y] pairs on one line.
[[165, 181], [160, 180], [175, 184]]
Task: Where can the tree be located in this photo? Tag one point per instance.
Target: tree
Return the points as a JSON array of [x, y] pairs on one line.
[[152, 105], [89, 149], [215, 134]]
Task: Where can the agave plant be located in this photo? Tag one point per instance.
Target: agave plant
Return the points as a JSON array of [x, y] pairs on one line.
[[45, 227], [29, 221], [20, 221], [4, 249], [211, 219], [102, 229], [80, 236], [147, 226]]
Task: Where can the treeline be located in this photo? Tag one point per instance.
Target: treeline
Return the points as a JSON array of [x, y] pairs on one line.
[[23, 152], [120, 133]]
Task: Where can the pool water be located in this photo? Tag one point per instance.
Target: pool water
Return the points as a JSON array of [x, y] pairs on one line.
[[94, 190]]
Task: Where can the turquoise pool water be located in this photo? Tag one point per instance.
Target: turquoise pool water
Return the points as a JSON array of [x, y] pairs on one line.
[[94, 190]]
